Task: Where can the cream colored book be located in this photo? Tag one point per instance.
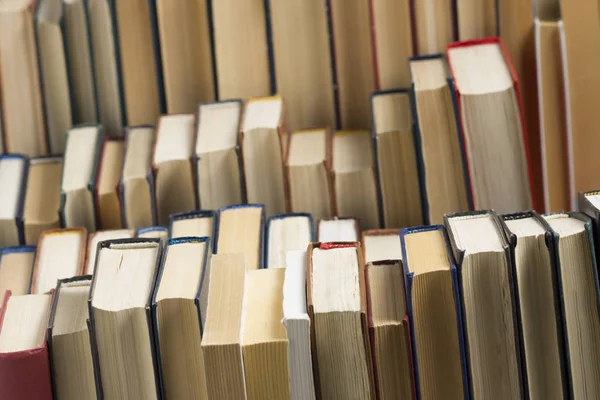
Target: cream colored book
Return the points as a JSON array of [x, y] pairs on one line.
[[16, 268], [60, 255], [99, 236], [241, 230], [381, 245], [153, 232], [434, 23], [197, 223], [185, 46], [287, 232], [221, 340], [354, 178], [338, 230], [78, 175], [119, 306], [70, 349], [217, 155], [307, 172], [106, 190], [42, 197], [263, 150], [13, 176], [172, 163], [137, 179], [476, 19], [396, 159], [178, 306]]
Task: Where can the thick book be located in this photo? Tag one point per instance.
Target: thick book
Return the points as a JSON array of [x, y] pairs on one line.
[[493, 126], [24, 364], [80, 166], [395, 159], [153, 232], [434, 27], [106, 187], [136, 188], [99, 236], [121, 326], [69, 344], [172, 165], [184, 31], [16, 269], [476, 18], [13, 181], [381, 245], [337, 307], [60, 254], [42, 197], [198, 223], [217, 156], [177, 312], [287, 232], [241, 230], [336, 229]]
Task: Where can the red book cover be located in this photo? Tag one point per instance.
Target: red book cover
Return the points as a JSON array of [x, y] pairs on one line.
[[24, 374]]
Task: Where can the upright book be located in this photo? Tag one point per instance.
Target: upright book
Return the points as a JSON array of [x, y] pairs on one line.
[[193, 223], [381, 245], [94, 240], [434, 25], [16, 268], [287, 232], [106, 187], [241, 230], [338, 230], [13, 180], [476, 19], [153, 232]]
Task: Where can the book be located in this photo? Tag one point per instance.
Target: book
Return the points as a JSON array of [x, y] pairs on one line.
[[490, 317], [99, 236], [42, 197], [80, 166], [200, 223], [444, 178], [395, 158], [434, 26], [54, 74], [476, 19], [552, 116], [307, 166], [241, 230], [264, 339], [69, 346], [392, 42], [136, 188], [221, 339], [433, 306], [23, 126], [495, 142], [263, 151], [60, 254], [287, 232], [13, 180], [352, 55], [389, 330], [381, 245], [580, 295], [217, 156], [352, 168], [106, 187], [172, 164], [337, 306], [302, 62], [24, 366], [297, 326], [536, 283], [106, 67], [240, 39], [184, 31], [153, 232], [121, 325], [338, 230], [177, 311], [16, 268], [589, 204]]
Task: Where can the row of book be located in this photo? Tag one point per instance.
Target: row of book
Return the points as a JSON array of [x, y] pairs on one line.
[[489, 306]]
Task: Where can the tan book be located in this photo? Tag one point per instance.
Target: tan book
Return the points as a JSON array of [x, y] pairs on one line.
[[287, 232], [153, 232], [353, 61], [196, 223], [70, 349], [137, 179], [445, 178], [476, 19], [263, 141], [185, 46], [241, 230], [60, 255], [338, 230], [396, 159], [172, 164], [106, 190], [217, 155], [354, 178], [177, 308], [303, 62], [392, 42], [42, 197], [307, 172], [264, 339], [381, 245], [23, 125], [221, 340], [13, 178], [122, 330], [99, 236], [434, 24], [78, 175], [240, 39], [16, 267]]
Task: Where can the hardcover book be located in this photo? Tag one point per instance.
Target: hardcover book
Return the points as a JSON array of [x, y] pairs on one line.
[[241, 230], [198, 223], [16, 268], [287, 232], [106, 187], [434, 26], [381, 245], [153, 232], [338, 230], [13, 181], [99, 236]]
